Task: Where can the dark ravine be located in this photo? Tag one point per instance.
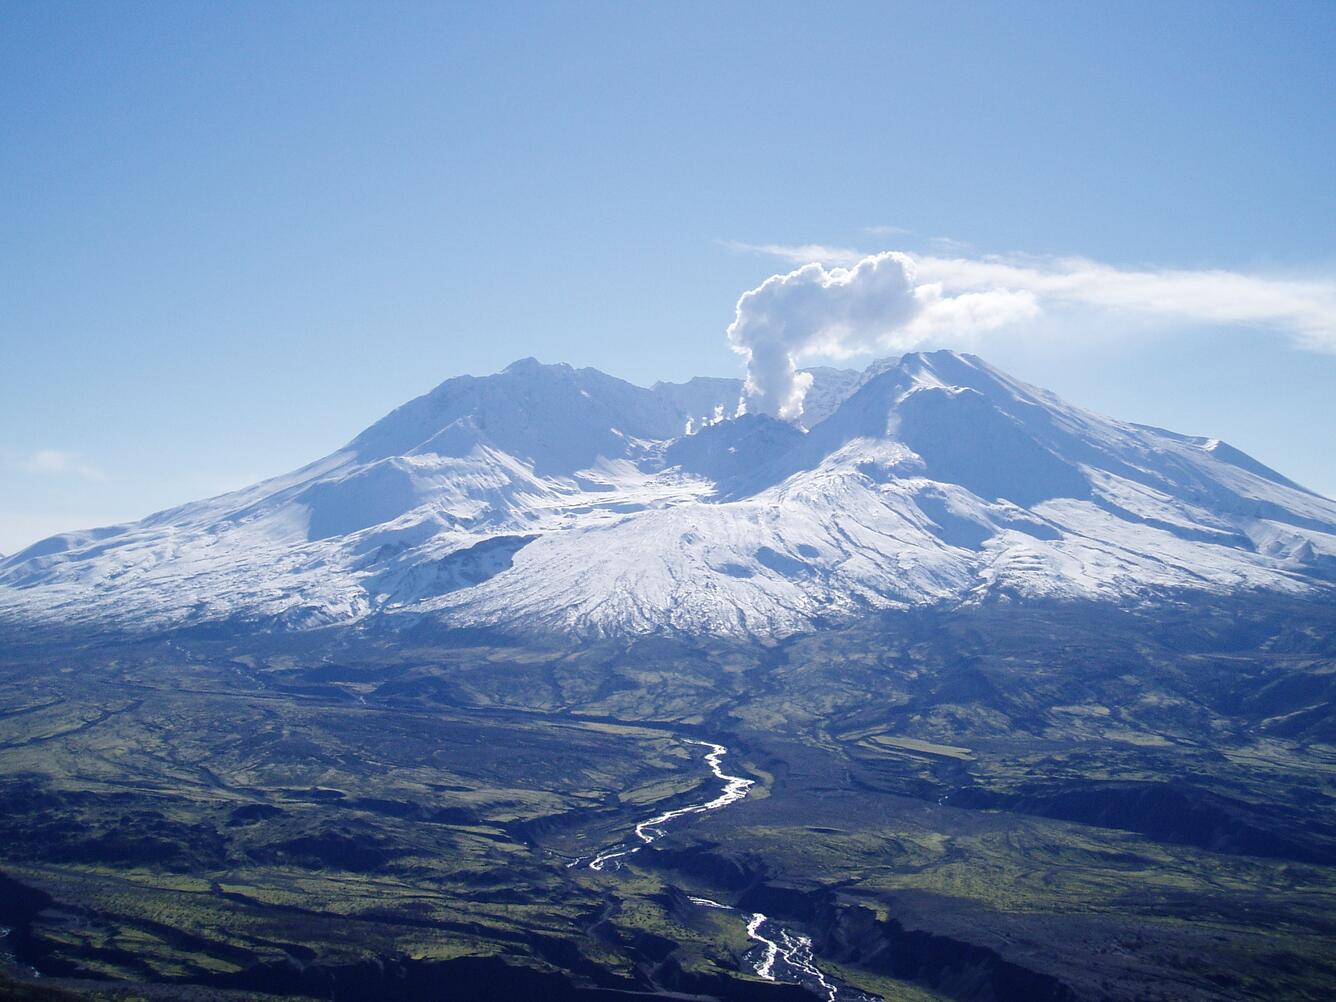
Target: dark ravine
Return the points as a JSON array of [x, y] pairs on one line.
[[19, 905], [849, 933], [853, 934]]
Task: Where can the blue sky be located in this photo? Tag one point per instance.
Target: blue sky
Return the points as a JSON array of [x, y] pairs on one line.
[[231, 236]]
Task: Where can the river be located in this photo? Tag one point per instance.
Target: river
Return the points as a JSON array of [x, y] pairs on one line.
[[735, 789], [780, 953]]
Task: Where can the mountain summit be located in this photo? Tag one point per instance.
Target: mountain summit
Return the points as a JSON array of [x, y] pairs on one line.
[[547, 498]]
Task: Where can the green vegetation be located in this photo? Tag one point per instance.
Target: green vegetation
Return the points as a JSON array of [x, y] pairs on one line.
[[1111, 805]]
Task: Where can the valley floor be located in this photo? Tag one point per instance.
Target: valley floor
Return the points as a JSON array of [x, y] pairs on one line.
[[1003, 803]]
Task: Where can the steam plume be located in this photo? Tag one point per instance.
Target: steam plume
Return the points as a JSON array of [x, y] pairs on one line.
[[873, 304]]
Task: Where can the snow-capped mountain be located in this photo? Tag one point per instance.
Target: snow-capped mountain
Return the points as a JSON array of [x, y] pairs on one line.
[[548, 498]]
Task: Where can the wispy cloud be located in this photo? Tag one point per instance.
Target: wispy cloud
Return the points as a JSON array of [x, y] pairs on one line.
[[1301, 309], [60, 463], [799, 253], [887, 231], [950, 245]]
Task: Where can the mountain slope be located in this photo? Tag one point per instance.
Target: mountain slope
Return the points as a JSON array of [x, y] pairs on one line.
[[550, 498]]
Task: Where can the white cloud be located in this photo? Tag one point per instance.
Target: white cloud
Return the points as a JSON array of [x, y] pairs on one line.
[[875, 304], [1301, 309], [59, 463]]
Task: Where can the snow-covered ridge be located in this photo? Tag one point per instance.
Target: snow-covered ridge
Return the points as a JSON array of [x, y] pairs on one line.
[[550, 498]]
